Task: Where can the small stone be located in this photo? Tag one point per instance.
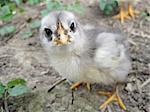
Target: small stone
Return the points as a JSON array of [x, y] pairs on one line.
[[87, 107], [1, 23], [149, 66], [129, 87], [48, 105], [62, 108]]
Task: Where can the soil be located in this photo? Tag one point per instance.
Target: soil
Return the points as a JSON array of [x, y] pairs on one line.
[[25, 58]]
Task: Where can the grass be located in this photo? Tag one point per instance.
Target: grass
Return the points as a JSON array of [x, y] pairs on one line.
[[9, 9]]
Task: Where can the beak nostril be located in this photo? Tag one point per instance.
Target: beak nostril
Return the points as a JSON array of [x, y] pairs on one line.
[[57, 34]]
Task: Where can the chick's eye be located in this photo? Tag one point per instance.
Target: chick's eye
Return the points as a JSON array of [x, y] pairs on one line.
[[72, 27], [48, 33]]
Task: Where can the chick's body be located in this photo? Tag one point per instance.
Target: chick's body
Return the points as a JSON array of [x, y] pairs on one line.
[[94, 55]]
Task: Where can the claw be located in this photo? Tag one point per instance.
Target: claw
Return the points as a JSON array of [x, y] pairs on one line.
[[77, 84], [131, 11], [110, 99], [122, 15], [121, 104], [125, 14], [112, 96]]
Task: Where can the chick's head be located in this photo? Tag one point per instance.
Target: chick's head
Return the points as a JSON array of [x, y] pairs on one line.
[[60, 31]]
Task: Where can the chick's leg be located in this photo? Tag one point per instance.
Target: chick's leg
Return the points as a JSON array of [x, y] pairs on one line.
[[131, 11], [77, 84], [88, 86], [123, 14], [112, 96]]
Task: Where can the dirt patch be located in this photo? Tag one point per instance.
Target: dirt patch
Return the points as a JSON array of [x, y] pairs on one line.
[[26, 59]]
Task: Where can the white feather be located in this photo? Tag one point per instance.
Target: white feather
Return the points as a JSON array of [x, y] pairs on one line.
[[102, 58]]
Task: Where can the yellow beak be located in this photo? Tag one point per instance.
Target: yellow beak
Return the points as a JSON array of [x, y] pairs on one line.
[[61, 41]]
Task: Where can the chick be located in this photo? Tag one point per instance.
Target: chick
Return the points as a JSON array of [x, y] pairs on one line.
[[126, 9], [97, 55]]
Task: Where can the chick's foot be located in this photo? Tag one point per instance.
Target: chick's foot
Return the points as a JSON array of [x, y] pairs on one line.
[[131, 11], [78, 84], [112, 96], [122, 15]]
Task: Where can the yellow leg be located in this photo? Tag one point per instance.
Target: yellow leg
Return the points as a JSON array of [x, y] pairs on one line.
[[112, 96], [77, 84], [122, 15], [131, 11]]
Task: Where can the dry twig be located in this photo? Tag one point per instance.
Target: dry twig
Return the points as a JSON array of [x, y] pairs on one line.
[[4, 56], [5, 102], [11, 36], [55, 84], [72, 95], [137, 32], [145, 83]]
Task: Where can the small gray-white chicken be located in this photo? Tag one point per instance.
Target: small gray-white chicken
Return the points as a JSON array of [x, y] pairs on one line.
[[126, 9], [96, 55]]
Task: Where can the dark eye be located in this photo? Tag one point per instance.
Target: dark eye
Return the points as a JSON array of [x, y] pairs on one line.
[[48, 33], [72, 27]]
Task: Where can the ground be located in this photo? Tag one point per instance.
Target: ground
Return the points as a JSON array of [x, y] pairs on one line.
[[26, 59]]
